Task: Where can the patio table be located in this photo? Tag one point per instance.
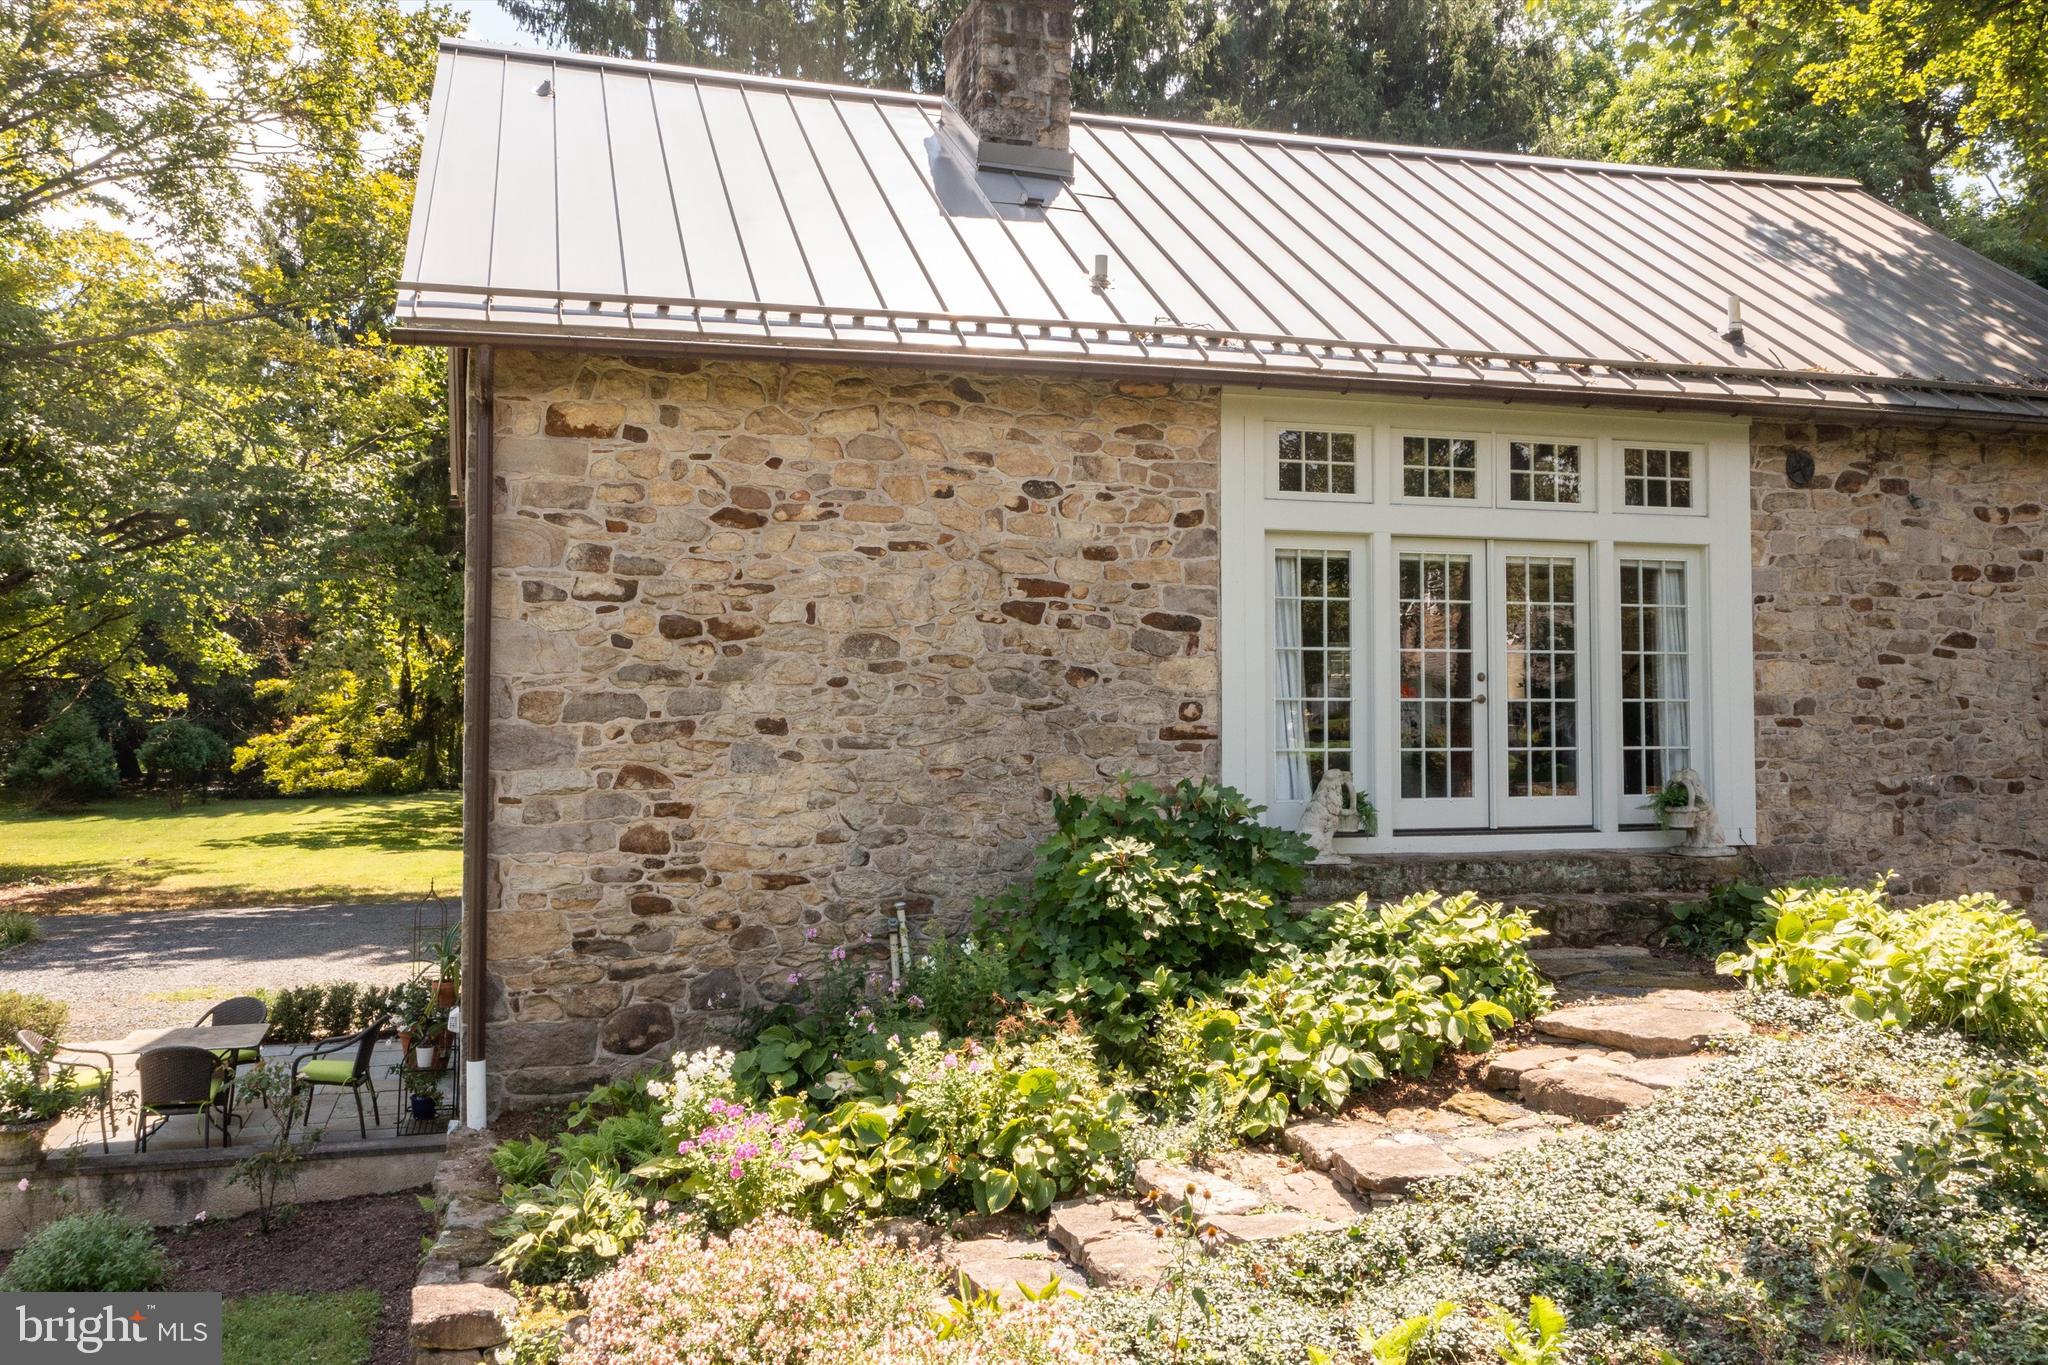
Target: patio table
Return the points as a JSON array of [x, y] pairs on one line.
[[214, 1037]]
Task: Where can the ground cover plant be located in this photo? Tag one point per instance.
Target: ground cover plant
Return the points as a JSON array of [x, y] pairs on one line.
[[143, 854]]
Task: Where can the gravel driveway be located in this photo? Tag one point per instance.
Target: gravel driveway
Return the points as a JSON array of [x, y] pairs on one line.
[[115, 970]]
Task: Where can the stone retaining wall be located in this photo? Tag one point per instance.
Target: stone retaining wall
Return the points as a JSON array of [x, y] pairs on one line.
[[1902, 656], [777, 647], [461, 1309]]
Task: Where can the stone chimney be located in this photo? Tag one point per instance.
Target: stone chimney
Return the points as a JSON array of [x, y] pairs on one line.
[[1009, 69]]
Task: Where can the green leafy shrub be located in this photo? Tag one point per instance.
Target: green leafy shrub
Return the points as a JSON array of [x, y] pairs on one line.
[[182, 755], [2001, 1121], [521, 1161], [1391, 988], [580, 1221], [88, 1253], [1139, 897], [1730, 914], [338, 1008], [295, 1014], [29, 1094], [305, 1014], [66, 760], [20, 1010], [1970, 964], [348, 740], [1023, 1122], [18, 927]]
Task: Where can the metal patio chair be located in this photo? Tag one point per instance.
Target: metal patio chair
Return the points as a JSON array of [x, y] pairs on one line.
[[182, 1080], [81, 1077], [332, 1064]]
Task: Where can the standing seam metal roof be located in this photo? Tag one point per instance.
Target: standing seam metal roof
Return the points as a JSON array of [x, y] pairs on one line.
[[637, 206]]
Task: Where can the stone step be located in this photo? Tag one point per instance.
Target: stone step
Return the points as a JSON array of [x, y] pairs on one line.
[[1379, 1157], [1662, 1024], [1626, 971], [1589, 919], [1514, 877], [1008, 1264], [1119, 1243], [1170, 1187], [1285, 1183]]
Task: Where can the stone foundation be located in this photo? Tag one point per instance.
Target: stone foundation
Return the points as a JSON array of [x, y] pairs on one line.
[[1902, 656], [779, 647]]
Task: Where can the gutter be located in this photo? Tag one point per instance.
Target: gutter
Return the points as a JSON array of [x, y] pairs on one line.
[[477, 506]]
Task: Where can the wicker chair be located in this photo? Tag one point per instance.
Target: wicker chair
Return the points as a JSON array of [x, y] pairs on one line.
[[243, 1009], [182, 1080], [85, 1071], [330, 1064]]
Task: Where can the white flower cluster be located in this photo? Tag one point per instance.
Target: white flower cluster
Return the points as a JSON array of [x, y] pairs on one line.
[[699, 1078]]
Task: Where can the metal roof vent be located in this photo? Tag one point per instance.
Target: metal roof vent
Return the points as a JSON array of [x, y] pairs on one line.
[[1009, 74], [1733, 331]]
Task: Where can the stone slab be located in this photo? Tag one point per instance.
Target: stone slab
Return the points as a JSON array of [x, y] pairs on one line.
[[1000, 1265], [1172, 1186], [459, 1317], [1488, 1109], [1288, 1184], [1644, 1029], [1391, 1167], [1585, 1091], [1317, 1141]]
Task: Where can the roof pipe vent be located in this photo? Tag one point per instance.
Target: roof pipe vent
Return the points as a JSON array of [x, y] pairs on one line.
[[1009, 79], [1100, 279], [1733, 331]]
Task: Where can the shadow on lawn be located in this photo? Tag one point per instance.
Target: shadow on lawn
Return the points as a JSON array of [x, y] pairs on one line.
[[424, 827]]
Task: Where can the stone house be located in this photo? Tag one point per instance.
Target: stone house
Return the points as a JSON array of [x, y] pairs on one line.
[[848, 470]]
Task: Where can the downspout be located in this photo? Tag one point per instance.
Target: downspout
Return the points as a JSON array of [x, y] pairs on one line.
[[478, 515]]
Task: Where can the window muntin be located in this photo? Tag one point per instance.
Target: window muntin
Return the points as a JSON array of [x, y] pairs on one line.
[[1437, 626], [1312, 662], [1444, 467], [1547, 472], [1540, 681], [1656, 716], [1314, 460], [1657, 476]]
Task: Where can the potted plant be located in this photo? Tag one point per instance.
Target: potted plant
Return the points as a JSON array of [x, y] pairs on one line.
[[423, 1094], [30, 1105], [448, 968], [1367, 815], [1673, 806], [410, 1002], [428, 1025]]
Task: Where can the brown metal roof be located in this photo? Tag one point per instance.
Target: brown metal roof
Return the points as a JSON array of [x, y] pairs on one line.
[[634, 206]]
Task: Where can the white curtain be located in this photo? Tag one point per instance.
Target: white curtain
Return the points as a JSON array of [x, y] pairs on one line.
[[1672, 669], [1290, 760]]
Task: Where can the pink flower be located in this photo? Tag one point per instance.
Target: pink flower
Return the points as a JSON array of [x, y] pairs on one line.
[[23, 1185], [199, 1217], [796, 978]]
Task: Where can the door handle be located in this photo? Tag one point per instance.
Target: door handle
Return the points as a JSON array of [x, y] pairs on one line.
[[1479, 700]]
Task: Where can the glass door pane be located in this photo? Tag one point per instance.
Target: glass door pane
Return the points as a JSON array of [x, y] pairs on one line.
[[1539, 683], [1441, 729], [1656, 693], [1311, 671]]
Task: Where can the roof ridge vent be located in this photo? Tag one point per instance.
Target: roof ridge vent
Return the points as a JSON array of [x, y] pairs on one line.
[[1009, 85]]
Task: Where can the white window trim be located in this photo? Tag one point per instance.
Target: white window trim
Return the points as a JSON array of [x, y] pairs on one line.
[[1483, 461], [1591, 462], [1362, 440], [1716, 530], [1616, 489]]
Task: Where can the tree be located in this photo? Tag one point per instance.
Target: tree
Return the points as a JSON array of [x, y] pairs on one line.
[[1967, 80], [201, 215], [181, 754], [66, 761], [1470, 71]]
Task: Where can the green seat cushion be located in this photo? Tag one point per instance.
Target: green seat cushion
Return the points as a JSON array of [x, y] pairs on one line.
[[239, 1056], [82, 1080], [327, 1071]]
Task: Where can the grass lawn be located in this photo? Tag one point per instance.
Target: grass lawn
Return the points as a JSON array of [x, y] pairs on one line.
[[142, 855], [299, 1329]]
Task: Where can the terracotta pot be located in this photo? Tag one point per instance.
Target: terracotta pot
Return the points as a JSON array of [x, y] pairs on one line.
[[21, 1144], [446, 992]]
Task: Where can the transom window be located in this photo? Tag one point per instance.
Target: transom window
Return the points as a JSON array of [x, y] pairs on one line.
[[1318, 461], [1312, 668], [1656, 737], [1656, 476], [1546, 472], [1440, 467]]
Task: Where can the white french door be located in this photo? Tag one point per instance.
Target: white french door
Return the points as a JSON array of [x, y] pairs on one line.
[[1491, 721]]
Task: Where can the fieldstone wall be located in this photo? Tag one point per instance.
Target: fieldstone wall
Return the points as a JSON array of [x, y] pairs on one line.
[[777, 647], [1902, 656]]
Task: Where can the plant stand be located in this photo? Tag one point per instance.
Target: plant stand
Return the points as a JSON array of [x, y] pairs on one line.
[[447, 1093]]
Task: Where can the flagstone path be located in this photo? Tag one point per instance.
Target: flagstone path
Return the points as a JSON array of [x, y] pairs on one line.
[[1628, 1024]]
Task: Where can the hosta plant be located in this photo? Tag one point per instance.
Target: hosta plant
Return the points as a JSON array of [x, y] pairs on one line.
[[1970, 963]]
